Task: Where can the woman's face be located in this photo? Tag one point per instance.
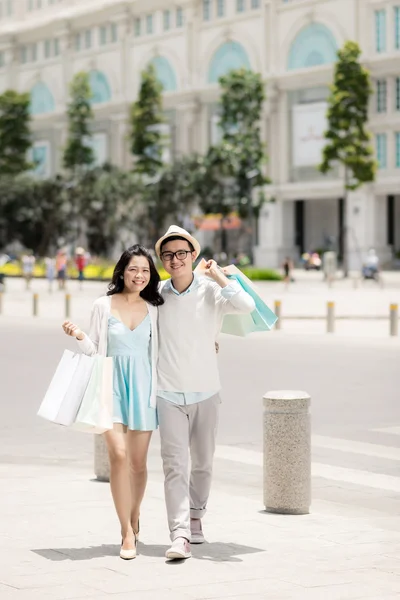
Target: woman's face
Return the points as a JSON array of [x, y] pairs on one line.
[[136, 274]]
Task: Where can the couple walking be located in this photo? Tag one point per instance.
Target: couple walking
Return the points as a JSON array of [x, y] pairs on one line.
[[162, 340]]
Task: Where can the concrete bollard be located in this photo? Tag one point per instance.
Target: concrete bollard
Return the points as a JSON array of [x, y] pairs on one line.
[[35, 306], [101, 461], [1, 303], [394, 320], [67, 306], [278, 312], [287, 452], [330, 317]]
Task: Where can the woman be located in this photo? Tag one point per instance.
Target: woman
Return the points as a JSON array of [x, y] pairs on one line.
[[124, 326]]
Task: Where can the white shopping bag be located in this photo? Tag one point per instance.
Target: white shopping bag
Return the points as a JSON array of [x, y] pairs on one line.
[[96, 412], [66, 390]]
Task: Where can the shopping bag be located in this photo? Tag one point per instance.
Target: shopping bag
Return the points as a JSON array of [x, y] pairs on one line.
[[261, 319], [95, 414], [67, 387]]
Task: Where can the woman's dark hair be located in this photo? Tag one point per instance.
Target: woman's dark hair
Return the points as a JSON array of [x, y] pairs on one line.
[[150, 292], [172, 238]]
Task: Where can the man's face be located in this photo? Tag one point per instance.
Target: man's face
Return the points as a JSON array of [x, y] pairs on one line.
[[177, 258]]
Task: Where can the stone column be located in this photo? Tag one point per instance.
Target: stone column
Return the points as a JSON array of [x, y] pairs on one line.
[[287, 452], [101, 462]]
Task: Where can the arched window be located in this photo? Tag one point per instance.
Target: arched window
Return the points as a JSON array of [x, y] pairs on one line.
[[42, 100], [100, 87], [228, 57], [165, 73], [314, 45]]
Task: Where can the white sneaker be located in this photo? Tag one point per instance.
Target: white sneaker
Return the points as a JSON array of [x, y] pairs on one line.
[[180, 549], [196, 532]]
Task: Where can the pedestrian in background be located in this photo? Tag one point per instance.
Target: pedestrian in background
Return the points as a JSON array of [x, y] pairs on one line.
[[80, 261], [287, 267], [50, 264], [28, 264], [61, 268], [124, 326]]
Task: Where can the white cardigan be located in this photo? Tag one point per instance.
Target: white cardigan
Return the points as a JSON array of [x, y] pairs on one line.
[[96, 341]]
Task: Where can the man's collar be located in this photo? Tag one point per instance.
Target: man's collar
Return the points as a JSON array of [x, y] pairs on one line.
[[170, 286]]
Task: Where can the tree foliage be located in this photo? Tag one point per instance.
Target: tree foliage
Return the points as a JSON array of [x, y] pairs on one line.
[[78, 153], [145, 119], [348, 141], [107, 200], [33, 212], [240, 156], [15, 135]]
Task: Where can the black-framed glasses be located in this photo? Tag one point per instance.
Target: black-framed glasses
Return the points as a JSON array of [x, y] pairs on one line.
[[180, 254]]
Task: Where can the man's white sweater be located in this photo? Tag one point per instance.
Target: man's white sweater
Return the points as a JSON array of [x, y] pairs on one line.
[[189, 325]]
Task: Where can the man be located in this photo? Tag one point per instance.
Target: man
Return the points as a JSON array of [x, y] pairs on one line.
[[188, 380]]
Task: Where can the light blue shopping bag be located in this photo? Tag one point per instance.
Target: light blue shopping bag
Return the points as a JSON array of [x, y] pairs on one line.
[[261, 319]]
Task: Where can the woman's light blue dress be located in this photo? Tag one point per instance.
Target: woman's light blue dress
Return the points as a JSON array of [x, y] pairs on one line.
[[131, 351]]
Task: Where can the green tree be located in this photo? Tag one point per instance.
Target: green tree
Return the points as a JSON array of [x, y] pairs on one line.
[[33, 212], [348, 141], [78, 154], [237, 161], [15, 135], [108, 198], [146, 117]]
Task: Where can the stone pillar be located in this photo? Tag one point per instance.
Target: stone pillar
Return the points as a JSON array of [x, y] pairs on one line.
[[101, 462], [287, 452]]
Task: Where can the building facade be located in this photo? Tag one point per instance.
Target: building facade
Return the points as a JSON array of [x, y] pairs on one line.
[[292, 43]]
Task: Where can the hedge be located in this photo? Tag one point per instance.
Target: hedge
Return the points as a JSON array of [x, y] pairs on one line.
[[104, 272]]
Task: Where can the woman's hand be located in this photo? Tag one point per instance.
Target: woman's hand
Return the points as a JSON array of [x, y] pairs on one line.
[[73, 330]]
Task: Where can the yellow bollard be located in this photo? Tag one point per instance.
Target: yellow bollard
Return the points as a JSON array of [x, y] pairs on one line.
[[330, 317], [35, 304], [67, 306], [394, 320], [278, 312]]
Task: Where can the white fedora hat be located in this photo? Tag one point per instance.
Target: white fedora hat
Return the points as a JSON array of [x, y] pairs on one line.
[[174, 230]]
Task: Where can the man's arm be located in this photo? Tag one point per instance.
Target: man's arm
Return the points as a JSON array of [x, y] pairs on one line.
[[229, 294]]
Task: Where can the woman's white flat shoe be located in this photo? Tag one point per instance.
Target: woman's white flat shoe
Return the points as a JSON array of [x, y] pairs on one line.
[[127, 554]]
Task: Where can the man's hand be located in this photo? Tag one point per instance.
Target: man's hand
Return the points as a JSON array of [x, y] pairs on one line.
[[213, 271], [73, 330]]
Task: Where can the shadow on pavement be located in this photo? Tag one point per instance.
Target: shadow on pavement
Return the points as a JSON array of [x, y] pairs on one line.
[[215, 551]]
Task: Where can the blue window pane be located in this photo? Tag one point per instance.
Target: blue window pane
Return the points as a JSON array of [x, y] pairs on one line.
[[114, 33], [397, 27], [228, 57], [138, 27], [103, 35], [398, 150], [240, 5], [255, 3], [47, 49], [149, 23], [314, 45], [2, 61], [380, 30], [220, 8], [381, 96], [179, 17], [206, 10], [381, 150], [167, 20], [88, 38], [56, 47], [398, 93], [42, 100], [100, 87]]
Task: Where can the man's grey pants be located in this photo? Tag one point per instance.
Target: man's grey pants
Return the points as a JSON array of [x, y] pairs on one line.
[[191, 426]]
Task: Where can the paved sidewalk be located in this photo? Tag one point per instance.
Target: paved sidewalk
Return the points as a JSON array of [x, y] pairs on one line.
[[59, 540]]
